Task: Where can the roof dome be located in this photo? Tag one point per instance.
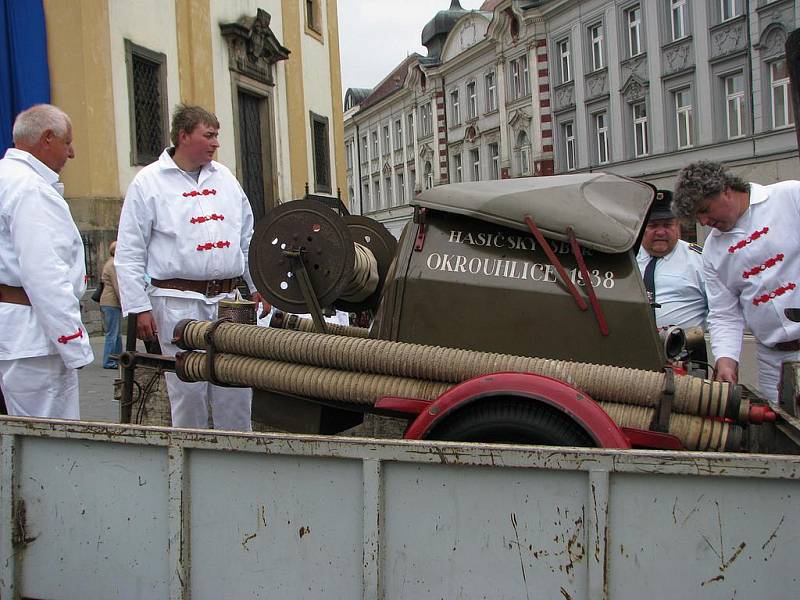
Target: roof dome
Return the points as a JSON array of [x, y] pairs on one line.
[[435, 32]]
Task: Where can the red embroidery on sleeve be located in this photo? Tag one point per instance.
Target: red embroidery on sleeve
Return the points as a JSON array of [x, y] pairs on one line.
[[770, 262], [65, 338], [212, 245], [774, 294], [204, 218], [748, 240]]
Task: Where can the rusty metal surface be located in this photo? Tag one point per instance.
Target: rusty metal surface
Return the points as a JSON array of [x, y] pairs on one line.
[[115, 511], [324, 242]]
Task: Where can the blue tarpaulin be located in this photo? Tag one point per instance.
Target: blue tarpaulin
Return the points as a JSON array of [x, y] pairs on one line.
[[24, 74]]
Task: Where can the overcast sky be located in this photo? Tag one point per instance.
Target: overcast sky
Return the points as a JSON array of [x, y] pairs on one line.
[[376, 35]]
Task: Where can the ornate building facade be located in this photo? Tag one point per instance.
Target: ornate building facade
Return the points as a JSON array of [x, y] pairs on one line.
[[522, 88]]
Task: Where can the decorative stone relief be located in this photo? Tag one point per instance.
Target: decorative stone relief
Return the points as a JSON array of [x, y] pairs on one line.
[[597, 85], [519, 120], [253, 47], [678, 58], [564, 96], [728, 39], [634, 89], [425, 152], [636, 66], [774, 42], [387, 170], [467, 35], [471, 133], [776, 13]]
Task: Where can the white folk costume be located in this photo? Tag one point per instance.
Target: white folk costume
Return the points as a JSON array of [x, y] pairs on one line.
[[679, 286], [180, 233], [42, 341], [752, 274]]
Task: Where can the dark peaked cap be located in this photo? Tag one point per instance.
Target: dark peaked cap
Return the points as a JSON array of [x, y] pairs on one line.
[[661, 206]]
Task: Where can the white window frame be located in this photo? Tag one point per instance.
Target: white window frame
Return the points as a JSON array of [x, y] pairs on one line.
[[640, 130], [348, 153], [472, 100], [568, 129], [387, 143], [494, 158], [458, 170], [376, 193], [455, 107], [401, 187], [525, 160], [734, 106], [524, 146], [398, 134], [601, 134], [727, 10], [375, 148], [596, 39], [410, 128], [387, 189], [779, 89], [366, 199], [633, 18], [426, 117], [491, 91], [520, 84], [684, 118], [678, 18], [564, 62], [364, 149], [475, 160], [428, 175]]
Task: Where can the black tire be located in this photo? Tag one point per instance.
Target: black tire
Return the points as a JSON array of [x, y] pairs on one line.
[[512, 421]]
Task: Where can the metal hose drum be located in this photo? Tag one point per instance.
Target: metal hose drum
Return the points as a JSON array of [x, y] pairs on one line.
[[603, 383]]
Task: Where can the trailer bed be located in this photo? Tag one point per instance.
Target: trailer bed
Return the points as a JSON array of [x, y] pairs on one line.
[[91, 510]]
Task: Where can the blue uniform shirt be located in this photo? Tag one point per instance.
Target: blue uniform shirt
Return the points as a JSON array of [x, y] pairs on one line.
[[680, 287]]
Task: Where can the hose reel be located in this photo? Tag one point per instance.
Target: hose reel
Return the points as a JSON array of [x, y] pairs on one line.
[[304, 244]]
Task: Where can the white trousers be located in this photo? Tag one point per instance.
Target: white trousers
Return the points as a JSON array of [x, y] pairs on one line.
[[40, 386], [769, 370], [190, 402]]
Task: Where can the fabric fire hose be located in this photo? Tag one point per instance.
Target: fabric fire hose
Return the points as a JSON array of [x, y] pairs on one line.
[[365, 276], [602, 382], [295, 323], [319, 383]]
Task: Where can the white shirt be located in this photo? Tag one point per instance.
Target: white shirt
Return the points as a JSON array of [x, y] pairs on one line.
[[680, 287], [41, 251], [753, 271], [172, 226]]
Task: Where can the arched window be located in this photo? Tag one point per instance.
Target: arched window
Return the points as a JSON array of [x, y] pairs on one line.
[[428, 175], [523, 154]]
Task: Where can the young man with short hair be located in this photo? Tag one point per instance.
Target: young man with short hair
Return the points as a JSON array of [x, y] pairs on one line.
[[185, 228]]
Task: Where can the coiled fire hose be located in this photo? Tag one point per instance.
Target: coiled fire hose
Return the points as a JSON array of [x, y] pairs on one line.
[[365, 275], [282, 320], [692, 395], [352, 387]]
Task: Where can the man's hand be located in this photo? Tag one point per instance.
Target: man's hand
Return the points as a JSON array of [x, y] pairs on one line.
[[726, 369], [146, 326], [257, 297]]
